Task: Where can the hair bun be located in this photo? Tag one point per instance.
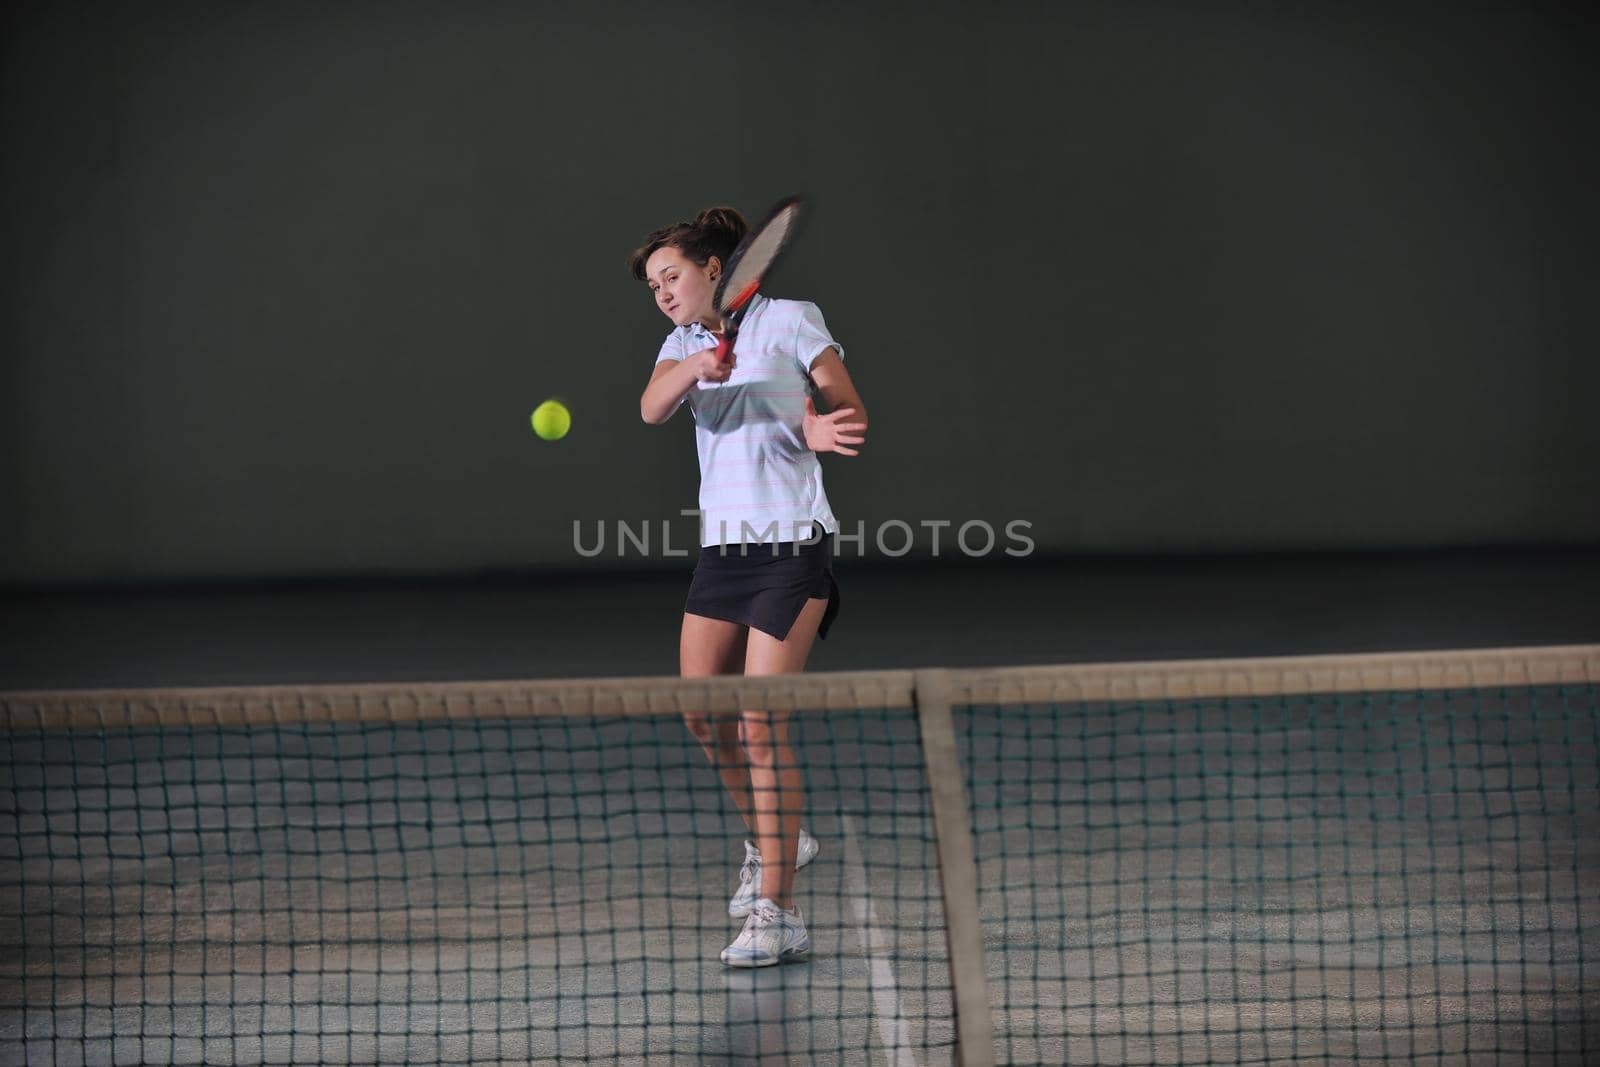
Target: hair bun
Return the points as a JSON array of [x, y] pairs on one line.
[[724, 220], [716, 231]]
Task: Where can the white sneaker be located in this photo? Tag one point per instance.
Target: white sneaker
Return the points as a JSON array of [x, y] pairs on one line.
[[770, 935], [744, 898], [807, 850]]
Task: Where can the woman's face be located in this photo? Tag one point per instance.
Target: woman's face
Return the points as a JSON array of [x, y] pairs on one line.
[[683, 290]]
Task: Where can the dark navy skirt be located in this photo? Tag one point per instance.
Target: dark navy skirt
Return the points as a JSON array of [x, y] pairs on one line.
[[764, 585]]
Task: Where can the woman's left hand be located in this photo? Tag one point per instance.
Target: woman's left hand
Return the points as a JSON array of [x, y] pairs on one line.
[[829, 433]]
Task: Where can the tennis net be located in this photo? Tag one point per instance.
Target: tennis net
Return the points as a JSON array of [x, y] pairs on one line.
[[1312, 859]]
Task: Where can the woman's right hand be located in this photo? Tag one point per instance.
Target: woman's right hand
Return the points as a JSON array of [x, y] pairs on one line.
[[708, 368]]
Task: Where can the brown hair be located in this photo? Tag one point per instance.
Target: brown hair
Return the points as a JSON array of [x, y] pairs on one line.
[[716, 231]]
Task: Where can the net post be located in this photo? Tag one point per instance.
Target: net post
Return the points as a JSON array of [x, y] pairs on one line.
[[958, 869]]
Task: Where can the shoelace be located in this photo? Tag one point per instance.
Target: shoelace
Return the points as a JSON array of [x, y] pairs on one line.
[[751, 868], [767, 914]]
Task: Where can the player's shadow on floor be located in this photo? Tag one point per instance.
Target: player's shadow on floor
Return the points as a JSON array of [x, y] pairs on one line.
[[771, 1016]]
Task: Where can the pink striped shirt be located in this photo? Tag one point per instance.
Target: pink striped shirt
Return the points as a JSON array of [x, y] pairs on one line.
[[758, 480]]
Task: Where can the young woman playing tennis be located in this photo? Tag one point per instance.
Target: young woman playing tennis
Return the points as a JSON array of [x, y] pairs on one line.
[[763, 586]]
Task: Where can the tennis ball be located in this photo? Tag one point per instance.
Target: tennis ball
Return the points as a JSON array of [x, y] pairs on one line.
[[551, 420]]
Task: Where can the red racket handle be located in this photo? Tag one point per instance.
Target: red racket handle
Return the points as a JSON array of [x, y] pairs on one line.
[[724, 348]]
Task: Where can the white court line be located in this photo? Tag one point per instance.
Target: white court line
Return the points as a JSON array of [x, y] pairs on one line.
[[892, 1025]]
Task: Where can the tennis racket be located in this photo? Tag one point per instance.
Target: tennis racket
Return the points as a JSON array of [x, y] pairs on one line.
[[750, 264]]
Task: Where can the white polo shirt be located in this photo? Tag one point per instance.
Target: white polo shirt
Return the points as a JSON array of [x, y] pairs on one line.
[[758, 480]]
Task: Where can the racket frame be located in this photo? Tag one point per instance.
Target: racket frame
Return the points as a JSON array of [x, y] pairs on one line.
[[732, 307]]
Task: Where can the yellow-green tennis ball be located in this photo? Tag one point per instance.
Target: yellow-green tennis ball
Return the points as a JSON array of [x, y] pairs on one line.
[[551, 420]]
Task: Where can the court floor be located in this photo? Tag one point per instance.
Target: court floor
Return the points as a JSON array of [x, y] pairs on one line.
[[446, 895], [1157, 885], [912, 615]]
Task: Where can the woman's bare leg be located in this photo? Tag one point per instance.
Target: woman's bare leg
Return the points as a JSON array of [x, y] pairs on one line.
[[709, 647], [776, 784]]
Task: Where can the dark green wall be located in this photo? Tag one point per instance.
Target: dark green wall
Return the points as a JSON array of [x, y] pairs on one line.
[[284, 280]]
